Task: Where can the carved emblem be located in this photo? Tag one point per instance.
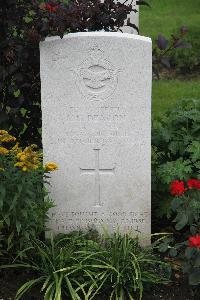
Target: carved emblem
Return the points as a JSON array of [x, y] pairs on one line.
[[96, 76]]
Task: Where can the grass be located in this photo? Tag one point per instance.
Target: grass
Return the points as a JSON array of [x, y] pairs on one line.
[[166, 93], [166, 17]]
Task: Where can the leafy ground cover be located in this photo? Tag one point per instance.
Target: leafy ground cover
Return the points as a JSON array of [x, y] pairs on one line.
[[166, 93]]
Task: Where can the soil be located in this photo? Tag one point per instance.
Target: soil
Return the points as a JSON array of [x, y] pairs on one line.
[[11, 280]]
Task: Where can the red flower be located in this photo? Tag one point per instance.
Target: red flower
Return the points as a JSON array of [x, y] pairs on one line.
[[51, 8], [194, 241], [177, 188], [193, 184]]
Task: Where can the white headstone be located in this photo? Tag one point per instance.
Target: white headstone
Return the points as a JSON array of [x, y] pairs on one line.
[[96, 116]]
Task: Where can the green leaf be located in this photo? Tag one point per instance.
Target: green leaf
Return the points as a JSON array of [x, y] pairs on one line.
[[197, 165], [197, 259], [173, 252], [27, 286], [176, 202], [18, 226], [189, 252], [175, 169], [183, 220], [73, 293], [194, 277], [17, 93], [193, 229], [2, 196], [163, 247], [27, 19], [9, 241], [31, 13], [194, 150]]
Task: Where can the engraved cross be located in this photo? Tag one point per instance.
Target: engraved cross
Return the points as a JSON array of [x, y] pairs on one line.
[[97, 171]]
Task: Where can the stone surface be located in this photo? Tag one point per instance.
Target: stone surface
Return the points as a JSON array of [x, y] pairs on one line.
[[134, 17], [96, 113]]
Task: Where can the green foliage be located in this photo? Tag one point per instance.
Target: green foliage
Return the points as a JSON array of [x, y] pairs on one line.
[[188, 258], [191, 265], [82, 266], [122, 268], [187, 211], [188, 60], [167, 93], [46, 259], [185, 245], [174, 169], [175, 155], [165, 47], [24, 200], [23, 205]]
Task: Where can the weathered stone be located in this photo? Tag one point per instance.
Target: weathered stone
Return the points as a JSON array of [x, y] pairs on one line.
[[96, 114]]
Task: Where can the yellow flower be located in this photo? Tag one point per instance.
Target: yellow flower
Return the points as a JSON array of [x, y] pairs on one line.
[[21, 156], [3, 150], [51, 166], [3, 132], [19, 164], [6, 138], [15, 148], [2, 169], [28, 159]]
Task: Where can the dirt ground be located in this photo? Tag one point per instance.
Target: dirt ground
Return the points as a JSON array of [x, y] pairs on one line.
[[11, 280]]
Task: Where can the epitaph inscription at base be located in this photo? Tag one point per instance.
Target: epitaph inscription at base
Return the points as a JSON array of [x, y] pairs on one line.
[[96, 116]]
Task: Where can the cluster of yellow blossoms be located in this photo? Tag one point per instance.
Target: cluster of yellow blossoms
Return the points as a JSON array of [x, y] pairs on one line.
[[5, 137], [27, 159]]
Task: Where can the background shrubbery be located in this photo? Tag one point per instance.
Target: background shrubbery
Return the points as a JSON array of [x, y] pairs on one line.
[[24, 201], [175, 155], [184, 245], [187, 61]]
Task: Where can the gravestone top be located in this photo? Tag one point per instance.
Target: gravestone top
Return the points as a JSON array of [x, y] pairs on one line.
[[117, 35], [96, 125]]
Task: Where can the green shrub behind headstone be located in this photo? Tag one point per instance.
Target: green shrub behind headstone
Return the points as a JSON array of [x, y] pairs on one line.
[[188, 60]]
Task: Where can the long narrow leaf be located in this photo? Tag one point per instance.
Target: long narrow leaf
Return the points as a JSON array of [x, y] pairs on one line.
[[27, 286]]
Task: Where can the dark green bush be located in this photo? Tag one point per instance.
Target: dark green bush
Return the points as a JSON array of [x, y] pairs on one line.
[[23, 210], [24, 200], [176, 151], [184, 246], [188, 60]]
